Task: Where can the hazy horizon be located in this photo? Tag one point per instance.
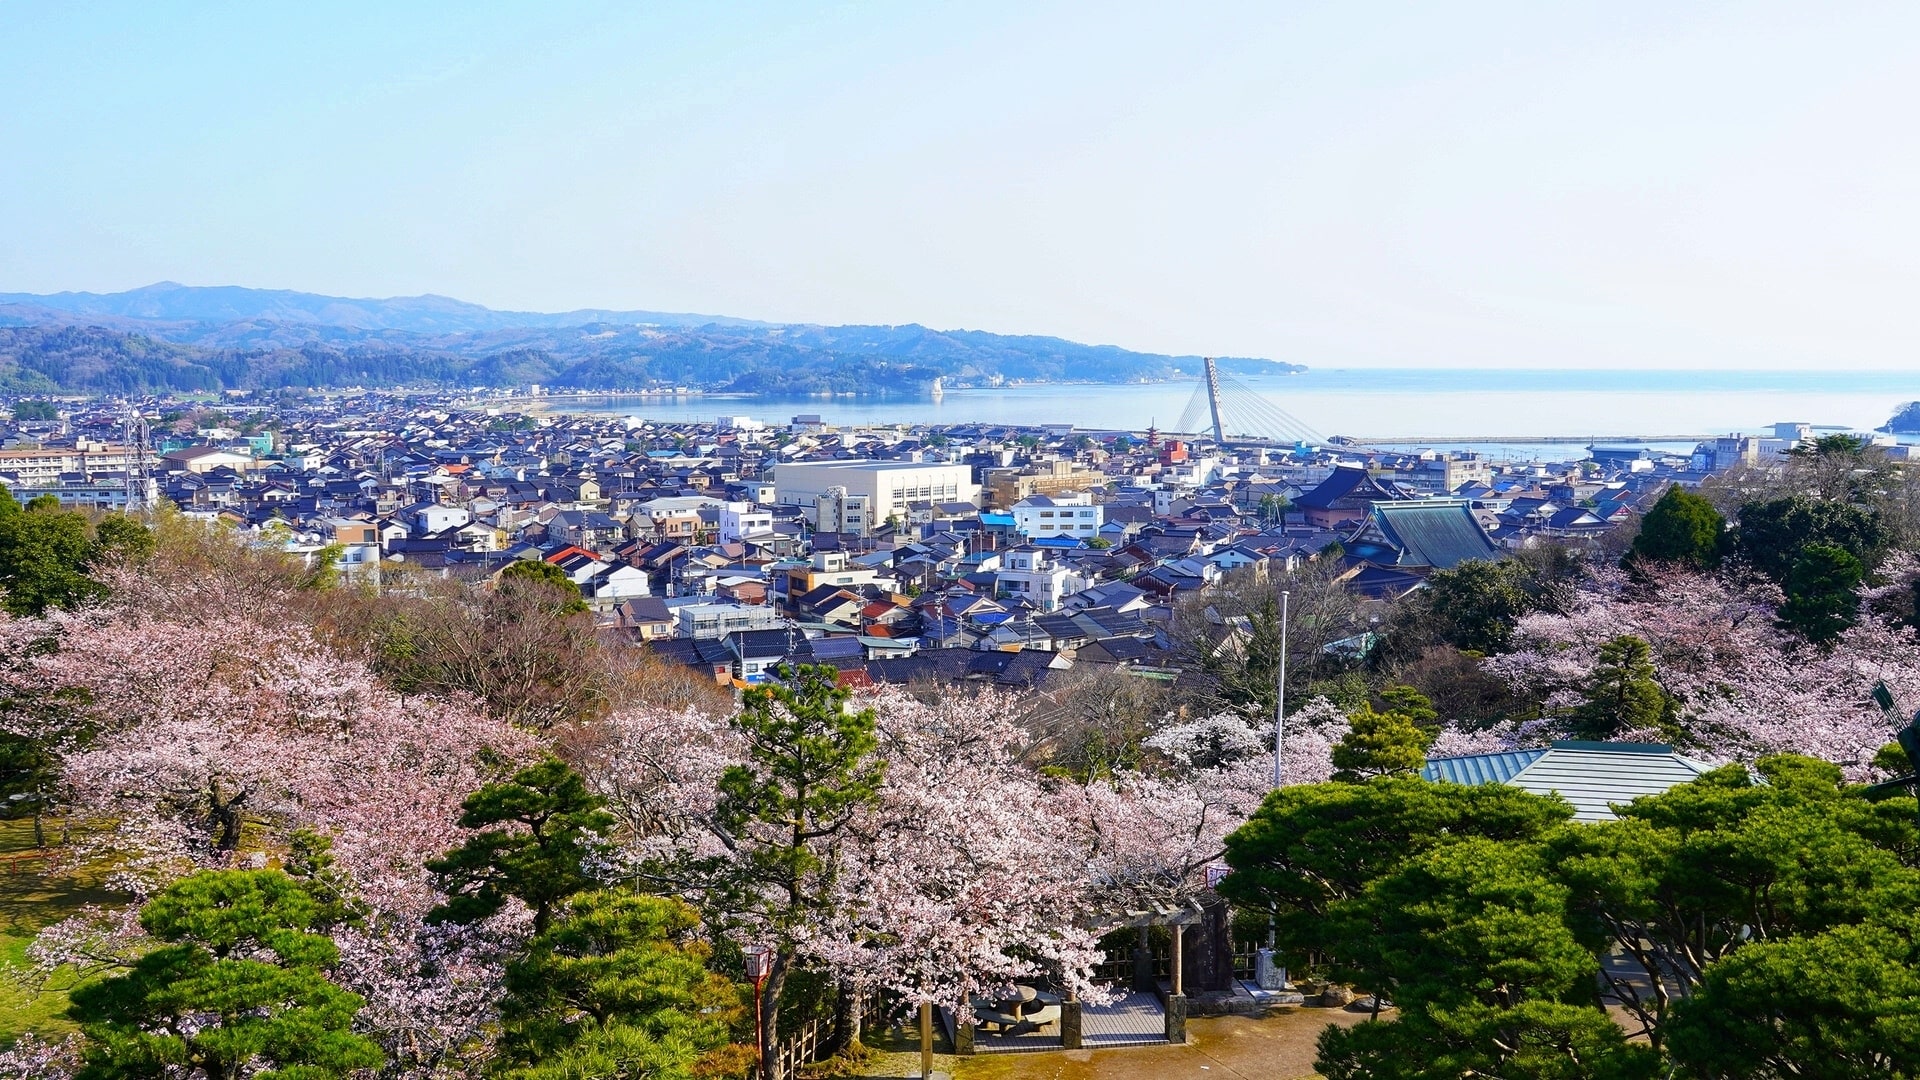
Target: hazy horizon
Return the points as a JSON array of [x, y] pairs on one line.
[[1592, 187]]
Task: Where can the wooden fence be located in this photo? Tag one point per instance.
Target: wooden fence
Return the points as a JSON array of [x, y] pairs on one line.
[[815, 1039]]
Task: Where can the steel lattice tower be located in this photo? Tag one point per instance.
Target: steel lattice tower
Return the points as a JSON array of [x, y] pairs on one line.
[[139, 475]]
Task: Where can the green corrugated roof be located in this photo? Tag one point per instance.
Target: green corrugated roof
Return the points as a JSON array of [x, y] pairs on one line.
[[1439, 533]]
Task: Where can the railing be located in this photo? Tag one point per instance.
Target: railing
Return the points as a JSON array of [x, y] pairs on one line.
[[814, 1039], [15, 862], [1117, 968]]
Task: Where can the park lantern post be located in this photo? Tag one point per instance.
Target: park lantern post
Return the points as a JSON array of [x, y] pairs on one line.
[[759, 966]]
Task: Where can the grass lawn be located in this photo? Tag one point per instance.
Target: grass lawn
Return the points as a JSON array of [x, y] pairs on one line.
[[29, 900]]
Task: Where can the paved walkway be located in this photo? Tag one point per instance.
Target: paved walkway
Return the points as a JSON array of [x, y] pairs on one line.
[[1279, 1047]]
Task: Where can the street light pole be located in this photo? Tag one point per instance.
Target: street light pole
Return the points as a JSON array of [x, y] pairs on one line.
[[1266, 971], [1280, 696]]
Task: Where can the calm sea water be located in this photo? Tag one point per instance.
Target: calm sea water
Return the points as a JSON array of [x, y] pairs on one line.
[[1449, 408]]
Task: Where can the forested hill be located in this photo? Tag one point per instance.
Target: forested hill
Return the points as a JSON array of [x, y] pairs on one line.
[[1906, 421], [171, 337]]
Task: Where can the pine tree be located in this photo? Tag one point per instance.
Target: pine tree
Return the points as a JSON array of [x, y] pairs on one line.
[[811, 768], [1821, 593], [1683, 529], [238, 988], [1392, 743], [556, 824], [1622, 693], [618, 986]]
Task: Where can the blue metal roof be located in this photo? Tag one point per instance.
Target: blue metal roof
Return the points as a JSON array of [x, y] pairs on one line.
[[1593, 776], [1481, 768]]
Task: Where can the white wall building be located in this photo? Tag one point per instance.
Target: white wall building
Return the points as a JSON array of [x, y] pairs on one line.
[[739, 520], [618, 581], [1028, 574], [719, 620], [1038, 517], [431, 518], [888, 485]]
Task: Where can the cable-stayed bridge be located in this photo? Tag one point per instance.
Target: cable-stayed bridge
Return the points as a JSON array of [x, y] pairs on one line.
[[1231, 410]]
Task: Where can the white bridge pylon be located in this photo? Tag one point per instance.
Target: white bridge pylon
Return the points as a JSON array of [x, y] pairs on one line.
[[1236, 409]]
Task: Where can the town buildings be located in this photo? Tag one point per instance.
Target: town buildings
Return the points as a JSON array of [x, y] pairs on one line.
[[967, 552], [890, 488]]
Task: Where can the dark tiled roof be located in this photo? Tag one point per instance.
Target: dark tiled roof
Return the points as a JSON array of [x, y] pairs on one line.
[[1347, 482], [1027, 668]]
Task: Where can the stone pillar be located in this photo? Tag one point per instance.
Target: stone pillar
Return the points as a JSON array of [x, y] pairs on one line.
[[1211, 965], [1267, 972], [963, 1039], [1177, 1018], [1070, 1036], [1143, 979]]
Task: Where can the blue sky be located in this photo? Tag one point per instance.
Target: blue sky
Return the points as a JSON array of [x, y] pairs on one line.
[[1617, 184]]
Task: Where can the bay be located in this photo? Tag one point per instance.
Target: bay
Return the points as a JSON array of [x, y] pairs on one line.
[[1446, 408]]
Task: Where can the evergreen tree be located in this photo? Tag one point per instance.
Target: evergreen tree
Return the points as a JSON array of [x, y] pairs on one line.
[[1474, 605], [44, 555], [1682, 529], [1691, 879], [238, 988], [1836, 1004], [1409, 702], [1312, 846], [1822, 598], [1772, 535], [554, 825], [618, 987], [540, 574], [1473, 941], [1392, 743], [811, 768], [1622, 693], [47, 553]]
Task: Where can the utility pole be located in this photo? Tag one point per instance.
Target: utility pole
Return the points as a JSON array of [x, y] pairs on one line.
[[1280, 696]]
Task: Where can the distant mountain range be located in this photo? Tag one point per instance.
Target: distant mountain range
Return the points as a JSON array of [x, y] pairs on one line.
[[169, 337]]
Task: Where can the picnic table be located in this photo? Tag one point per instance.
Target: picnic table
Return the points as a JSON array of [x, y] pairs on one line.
[[1022, 1009]]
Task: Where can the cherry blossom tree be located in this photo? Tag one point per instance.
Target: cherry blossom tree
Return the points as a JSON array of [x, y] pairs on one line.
[[1150, 835], [1743, 688], [193, 734], [967, 871], [971, 869]]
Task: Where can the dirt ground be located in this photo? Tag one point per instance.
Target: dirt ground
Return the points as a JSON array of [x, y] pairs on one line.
[[1279, 1047]]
